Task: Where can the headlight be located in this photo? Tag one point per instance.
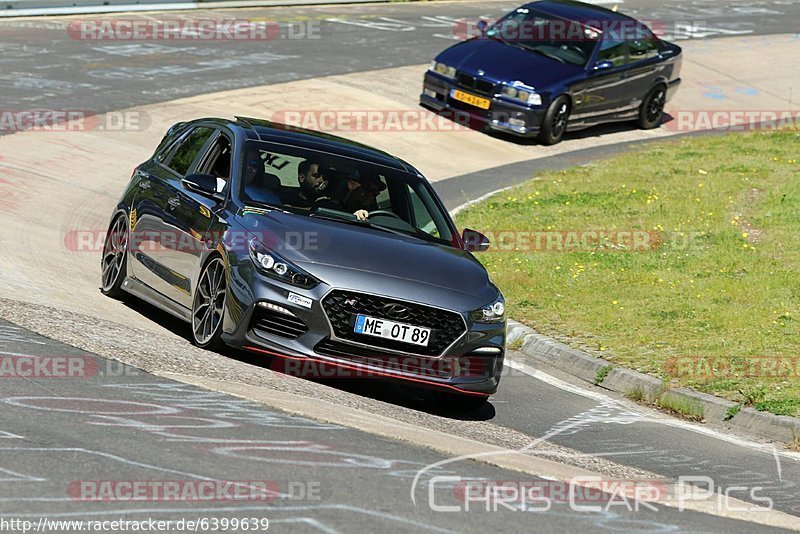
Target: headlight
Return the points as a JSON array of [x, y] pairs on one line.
[[491, 313], [444, 70], [273, 265], [529, 97]]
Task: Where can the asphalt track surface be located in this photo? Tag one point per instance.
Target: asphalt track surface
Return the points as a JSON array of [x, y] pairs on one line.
[[118, 425], [43, 64], [49, 438]]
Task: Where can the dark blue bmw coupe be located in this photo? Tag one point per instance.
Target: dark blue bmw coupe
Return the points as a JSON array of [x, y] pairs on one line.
[[554, 66]]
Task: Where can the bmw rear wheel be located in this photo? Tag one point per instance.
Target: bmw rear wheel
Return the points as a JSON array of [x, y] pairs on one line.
[[115, 258], [208, 306], [554, 124], [652, 109]]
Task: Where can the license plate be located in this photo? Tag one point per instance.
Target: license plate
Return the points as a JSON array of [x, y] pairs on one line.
[[472, 100], [372, 326]]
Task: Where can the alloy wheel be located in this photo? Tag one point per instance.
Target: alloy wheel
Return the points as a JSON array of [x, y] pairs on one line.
[[114, 250], [560, 120], [209, 302], [655, 106]]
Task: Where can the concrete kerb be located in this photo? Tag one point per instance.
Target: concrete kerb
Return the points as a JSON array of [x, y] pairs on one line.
[[621, 380]]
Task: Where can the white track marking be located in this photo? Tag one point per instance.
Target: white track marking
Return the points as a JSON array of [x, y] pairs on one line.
[[17, 477], [658, 419], [150, 409]]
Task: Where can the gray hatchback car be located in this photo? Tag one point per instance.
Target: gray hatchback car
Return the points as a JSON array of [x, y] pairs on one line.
[[327, 255]]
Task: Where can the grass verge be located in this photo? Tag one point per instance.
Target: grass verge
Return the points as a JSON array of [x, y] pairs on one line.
[[706, 297], [685, 408], [602, 373]]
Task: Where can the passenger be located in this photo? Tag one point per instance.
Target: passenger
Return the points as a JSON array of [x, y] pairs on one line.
[[259, 186], [312, 185]]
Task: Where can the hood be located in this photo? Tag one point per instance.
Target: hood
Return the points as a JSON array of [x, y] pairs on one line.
[[506, 63], [310, 242]]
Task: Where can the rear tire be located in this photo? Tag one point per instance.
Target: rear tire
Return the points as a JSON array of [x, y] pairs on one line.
[[554, 124], [651, 112], [208, 305], [114, 262]]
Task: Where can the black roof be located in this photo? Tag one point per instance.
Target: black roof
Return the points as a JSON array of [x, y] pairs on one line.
[[275, 132]]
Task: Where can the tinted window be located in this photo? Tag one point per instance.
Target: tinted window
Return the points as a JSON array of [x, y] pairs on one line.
[[564, 41], [187, 150], [643, 45], [613, 49], [420, 213], [396, 200], [168, 142], [217, 161]]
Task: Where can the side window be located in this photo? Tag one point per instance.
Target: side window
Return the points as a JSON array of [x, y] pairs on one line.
[[382, 200], [612, 50], [282, 166], [218, 161], [168, 142], [644, 45], [421, 215], [187, 150]]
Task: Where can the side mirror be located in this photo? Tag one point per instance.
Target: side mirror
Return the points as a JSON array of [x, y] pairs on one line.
[[603, 65], [204, 184], [474, 241], [482, 26]]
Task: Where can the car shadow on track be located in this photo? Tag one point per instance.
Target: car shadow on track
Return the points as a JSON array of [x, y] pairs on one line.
[[593, 131], [158, 316], [378, 389], [371, 388]]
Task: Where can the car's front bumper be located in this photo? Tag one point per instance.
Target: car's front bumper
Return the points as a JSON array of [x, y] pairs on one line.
[[502, 115], [308, 346]]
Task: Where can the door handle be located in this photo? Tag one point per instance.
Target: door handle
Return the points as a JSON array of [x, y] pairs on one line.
[[144, 184], [174, 202]]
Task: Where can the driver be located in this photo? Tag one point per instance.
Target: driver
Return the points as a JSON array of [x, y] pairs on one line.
[[359, 193]]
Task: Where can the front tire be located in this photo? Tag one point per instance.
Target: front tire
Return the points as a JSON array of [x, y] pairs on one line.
[[114, 263], [208, 306], [554, 124], [651, 112]]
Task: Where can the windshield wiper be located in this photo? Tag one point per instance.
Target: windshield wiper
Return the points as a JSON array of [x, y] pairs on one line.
[[368, 224], [356, 222], [264, 204]]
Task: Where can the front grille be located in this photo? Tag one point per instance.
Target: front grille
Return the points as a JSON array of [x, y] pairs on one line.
[[342, 307], [475, 84], [412, 364], [277, 323]]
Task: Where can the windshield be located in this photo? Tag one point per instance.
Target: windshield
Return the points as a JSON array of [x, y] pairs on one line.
[[351, 191], [561, 40]]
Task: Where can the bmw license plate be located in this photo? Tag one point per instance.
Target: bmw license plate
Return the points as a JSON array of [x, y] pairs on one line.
[[472, 100], [372, 326]]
